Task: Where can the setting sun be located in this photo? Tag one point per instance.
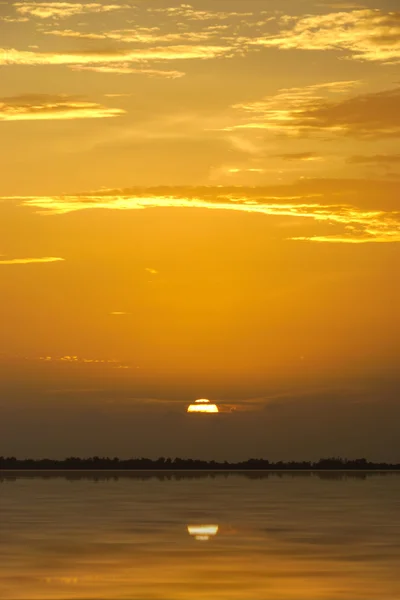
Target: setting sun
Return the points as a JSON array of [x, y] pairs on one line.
[[203, 533], [202, 406]]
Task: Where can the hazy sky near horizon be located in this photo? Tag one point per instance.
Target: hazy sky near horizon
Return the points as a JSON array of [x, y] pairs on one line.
[[200, 200]]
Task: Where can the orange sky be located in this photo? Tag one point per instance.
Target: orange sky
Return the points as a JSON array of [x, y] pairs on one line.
[[200, 200]]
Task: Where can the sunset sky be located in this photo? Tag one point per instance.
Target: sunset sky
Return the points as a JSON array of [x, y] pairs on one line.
[[200, 200]]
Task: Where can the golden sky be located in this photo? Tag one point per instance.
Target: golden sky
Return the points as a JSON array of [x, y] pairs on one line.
[[200, 201]]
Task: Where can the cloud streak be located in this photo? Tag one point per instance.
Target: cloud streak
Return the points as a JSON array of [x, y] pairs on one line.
[[187, 12], [77, 360], [34, 107], [49, 10], [356, 225], [126, 69], [316, 109], [375, 159], [99, 57], [300, 156], [141, 35], [366, 35], [29, 261]]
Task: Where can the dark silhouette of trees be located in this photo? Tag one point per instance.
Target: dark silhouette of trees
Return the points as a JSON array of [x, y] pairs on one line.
[[97, 463]]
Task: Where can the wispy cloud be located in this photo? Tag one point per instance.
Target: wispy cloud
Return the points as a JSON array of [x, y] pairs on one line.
[[375, 159], [77, 360], [121, 62], [188, 12], [141, 35], [31, 107], [302, 156], [8, 19], [342, 5], [314, 110], [356, 225], [235, 170], [99, 57], [126, 69], [28, 261], [48, 10], [370, 115], [366, 34]]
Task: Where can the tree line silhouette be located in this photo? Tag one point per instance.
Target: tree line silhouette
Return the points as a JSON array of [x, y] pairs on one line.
[[187, 464]]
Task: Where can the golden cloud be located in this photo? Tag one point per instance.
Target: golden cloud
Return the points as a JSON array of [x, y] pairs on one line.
[[371, 115], [186, 11], [93, 57], [46, 107], [139, 35], [126, 69], [302, 156], [14, 19], [313, 110], [375, 159], [366, 34], [356, 225], [341, 5], [28, 261], [237, 170], [47, 10], [77, 360]]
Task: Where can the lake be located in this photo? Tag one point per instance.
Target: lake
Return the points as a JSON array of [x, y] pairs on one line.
[[197, 536]]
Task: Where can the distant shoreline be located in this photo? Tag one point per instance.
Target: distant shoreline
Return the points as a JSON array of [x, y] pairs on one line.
[[173, 465], [200, 471], [228, 470]]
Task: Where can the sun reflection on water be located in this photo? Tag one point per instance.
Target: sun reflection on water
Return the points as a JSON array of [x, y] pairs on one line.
[[202, 533]]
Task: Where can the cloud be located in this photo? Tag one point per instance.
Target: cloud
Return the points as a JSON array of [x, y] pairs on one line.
[[375, 159], [14, 19], [48, 10], [313, 110], [76, 360], [302, 156], [117, 95], [341, 5], [126, 69], [186, 11], [151, 45], [106, 57], [119, 313], [141, 35], [151, 271], [235, 35], [356, 225], [28, 261], [341, 239], [236, 170], [31, 107], [371, 115], [366, 34]]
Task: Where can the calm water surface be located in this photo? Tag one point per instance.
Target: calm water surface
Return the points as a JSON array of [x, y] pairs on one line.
[[221, 537]]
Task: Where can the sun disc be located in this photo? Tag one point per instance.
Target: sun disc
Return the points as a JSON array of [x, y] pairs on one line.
[[202, 532], [202, 406]]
